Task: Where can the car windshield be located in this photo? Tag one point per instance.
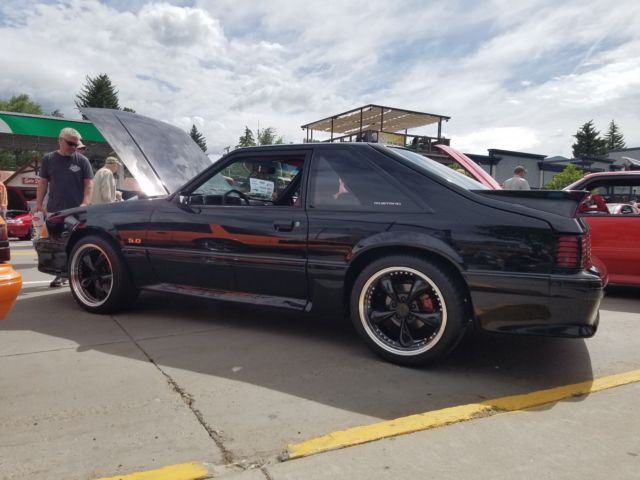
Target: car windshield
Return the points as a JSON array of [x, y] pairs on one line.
[[449, 174]]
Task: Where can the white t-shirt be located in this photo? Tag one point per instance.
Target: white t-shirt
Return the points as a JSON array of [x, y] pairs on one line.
[[104, 187], [516, 183]]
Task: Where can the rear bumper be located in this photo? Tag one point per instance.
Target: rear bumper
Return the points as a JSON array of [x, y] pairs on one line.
[[18, 230], [555, 305]]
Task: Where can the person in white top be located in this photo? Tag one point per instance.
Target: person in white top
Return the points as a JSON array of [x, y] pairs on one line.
[[517, 182], [104, 183]]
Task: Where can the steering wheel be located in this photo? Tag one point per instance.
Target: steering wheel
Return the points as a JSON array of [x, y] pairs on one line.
[[240, 194]]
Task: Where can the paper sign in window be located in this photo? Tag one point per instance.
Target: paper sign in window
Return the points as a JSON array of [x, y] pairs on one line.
[[259, 187]]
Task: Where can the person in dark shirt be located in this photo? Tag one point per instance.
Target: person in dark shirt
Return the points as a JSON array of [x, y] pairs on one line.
[[67, 177]]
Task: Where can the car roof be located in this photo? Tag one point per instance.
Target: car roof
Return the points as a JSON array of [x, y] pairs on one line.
[[624, 173]]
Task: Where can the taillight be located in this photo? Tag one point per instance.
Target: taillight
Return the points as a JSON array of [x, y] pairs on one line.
[[573, 252], [586, 251]]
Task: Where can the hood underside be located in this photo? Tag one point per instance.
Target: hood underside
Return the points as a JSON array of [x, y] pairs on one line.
[[161, 157]]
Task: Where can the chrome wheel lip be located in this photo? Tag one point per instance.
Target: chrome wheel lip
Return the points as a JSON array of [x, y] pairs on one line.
[[75, 277], [362, 305]]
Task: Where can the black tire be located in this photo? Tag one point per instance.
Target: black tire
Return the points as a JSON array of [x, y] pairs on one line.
[[409, 311], [99, 278]]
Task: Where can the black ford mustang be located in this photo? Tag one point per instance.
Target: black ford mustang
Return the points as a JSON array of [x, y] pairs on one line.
[[414, 251]]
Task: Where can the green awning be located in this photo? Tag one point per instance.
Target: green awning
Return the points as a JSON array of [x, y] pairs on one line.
[[42, 126], [22, 131]]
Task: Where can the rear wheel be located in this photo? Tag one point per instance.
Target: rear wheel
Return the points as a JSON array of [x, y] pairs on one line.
[[408, 310], [99, 278]]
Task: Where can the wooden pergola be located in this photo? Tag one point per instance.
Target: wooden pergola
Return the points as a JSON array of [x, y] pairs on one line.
[[373, 118]]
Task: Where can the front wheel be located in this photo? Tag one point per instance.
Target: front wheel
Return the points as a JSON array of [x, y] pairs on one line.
[[99, 278], [408, 310]]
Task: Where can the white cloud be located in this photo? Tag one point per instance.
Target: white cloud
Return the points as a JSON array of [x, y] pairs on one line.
[[509, 138], [518, 76]]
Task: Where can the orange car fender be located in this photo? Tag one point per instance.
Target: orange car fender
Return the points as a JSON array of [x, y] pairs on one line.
[[10, 285]]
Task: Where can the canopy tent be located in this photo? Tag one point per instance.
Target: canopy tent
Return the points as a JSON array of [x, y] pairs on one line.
[[374, 117], [21, 131]]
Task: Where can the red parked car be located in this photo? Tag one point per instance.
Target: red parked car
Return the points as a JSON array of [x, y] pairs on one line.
[[615, 230], [19, 224]]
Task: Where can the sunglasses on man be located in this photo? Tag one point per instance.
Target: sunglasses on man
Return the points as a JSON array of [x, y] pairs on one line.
[[71, 144]]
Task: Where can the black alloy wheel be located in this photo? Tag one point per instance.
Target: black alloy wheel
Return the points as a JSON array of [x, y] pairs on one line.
[[98, 276], [408, 310]]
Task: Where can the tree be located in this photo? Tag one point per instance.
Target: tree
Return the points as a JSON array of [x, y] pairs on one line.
[[570, 174], [14, 159], [98, 92], [127, 109], [247, 139], [613, 137], [57, 113], [21, 104], [588, 141], [198, 138], [268, 137]]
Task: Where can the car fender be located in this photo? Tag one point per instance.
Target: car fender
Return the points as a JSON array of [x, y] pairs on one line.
[[414, 240]]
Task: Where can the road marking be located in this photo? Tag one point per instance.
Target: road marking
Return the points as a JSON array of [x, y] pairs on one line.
[[24, 254], [183, 471], [35, 282], [447, 416]]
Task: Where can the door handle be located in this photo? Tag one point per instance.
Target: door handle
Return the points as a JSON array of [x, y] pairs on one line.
[[285, 226]]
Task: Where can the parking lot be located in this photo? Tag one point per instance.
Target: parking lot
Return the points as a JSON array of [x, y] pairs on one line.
[[178, 380]]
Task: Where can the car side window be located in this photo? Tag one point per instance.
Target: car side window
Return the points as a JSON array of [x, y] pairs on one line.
[[343, 180], [620, 196], [254, 180]]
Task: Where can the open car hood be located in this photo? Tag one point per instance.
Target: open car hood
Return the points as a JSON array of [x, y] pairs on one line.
[[161, 157], [475, 171]]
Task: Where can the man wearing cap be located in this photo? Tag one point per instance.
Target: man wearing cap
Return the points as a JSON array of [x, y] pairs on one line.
[[104, 183], [81, 148], [517, 182], [66, 179]]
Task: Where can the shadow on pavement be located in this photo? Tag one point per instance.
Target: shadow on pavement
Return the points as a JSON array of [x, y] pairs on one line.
[[316, 358]]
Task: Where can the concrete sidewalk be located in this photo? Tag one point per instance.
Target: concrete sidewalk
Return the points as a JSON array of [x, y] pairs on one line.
[[591, 437]]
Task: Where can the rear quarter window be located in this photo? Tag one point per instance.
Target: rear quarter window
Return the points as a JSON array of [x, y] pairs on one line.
[[345, 180]]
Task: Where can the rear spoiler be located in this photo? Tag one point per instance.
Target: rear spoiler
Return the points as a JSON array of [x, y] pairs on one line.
[[560, 202]]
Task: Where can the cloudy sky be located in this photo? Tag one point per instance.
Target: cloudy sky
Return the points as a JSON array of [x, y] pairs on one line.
[[513, 75]]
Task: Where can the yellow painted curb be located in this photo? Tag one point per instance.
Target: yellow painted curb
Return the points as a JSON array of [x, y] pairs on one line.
[[447, 416], [24, 254], [183, 471]]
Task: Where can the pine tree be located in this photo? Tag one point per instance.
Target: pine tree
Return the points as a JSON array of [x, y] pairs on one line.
[[98, 92], [614, 139], [247, 139], [198, 138], [268, 137], [589, 142]]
